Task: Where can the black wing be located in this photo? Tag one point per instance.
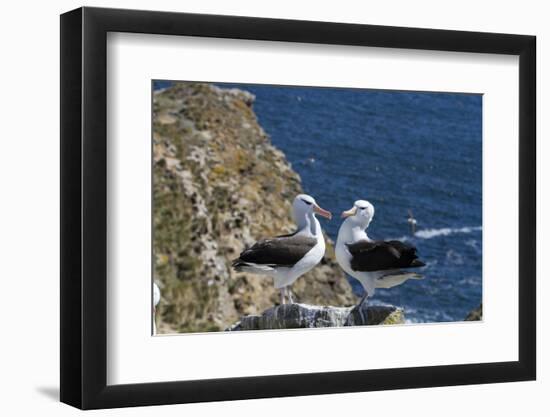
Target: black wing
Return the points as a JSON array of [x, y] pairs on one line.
[[279, 251], [379, 255]]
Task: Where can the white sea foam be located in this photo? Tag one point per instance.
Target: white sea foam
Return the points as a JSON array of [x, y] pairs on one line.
[[429, 233], [445, 231]]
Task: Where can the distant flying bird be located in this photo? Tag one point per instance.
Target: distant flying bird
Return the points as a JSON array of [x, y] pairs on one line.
[[412, 222], [287, 257], [374, 263], [156, 301]]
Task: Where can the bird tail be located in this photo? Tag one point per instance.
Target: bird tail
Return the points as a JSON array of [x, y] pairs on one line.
[[242, 266], [238, 265], [395, 278], [417, 263]]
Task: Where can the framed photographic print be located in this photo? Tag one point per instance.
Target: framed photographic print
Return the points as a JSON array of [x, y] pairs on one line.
[[258, 208]]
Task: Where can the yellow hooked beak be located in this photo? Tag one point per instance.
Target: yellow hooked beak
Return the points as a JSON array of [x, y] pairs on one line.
[[322, 212], [350, 212]]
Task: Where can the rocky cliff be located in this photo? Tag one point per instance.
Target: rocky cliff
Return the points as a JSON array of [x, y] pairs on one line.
[[218, 186]]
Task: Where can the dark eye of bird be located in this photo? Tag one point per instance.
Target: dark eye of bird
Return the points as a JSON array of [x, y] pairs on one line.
[[307, 202]]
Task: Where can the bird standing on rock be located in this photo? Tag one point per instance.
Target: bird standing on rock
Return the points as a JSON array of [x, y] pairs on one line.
[[287, 257], [374, 263]]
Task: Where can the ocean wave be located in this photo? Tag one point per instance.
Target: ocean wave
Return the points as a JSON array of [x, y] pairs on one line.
[[445, 231]]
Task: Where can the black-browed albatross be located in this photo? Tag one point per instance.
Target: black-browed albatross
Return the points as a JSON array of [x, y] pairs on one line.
[[287, 257], [374, 263]]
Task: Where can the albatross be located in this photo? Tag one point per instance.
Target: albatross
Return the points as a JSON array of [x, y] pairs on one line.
[[374, 263], [285, 258]]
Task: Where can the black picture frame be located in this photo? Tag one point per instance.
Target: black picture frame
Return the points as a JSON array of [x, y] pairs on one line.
[[84, 207]]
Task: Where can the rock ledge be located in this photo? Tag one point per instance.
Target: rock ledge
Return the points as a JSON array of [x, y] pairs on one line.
[[301, 316]]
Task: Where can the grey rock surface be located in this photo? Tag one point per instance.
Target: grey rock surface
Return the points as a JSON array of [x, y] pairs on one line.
[[300, 316]]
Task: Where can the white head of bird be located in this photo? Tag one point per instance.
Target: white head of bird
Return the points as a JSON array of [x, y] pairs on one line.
[[304, 209], [357, 219]]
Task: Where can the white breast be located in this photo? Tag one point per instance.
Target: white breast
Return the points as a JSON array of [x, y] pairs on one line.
[[343, 257], [287, 276]]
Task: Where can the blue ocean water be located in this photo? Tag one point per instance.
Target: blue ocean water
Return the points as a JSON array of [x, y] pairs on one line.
[[399, 150]]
